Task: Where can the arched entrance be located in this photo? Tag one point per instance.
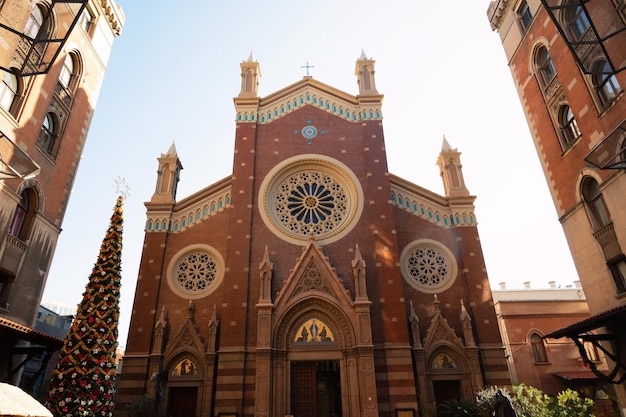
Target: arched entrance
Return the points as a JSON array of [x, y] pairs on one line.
[[314, 354], [184, 379]]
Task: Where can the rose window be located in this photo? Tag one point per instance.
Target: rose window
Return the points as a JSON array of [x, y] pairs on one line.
[[196, 271], [310, 203], [428, 266], [310, 196]]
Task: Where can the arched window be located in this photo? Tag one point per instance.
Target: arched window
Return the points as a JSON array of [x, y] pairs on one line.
[[568, 126], [604, 82], [539, 348], [48, 134], [24, 215], [545, 67], [34, 22], [67, 72], [525, 16], [597, 209], [576, 21], [8, 90]]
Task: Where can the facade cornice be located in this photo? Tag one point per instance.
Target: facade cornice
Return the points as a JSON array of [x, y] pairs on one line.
[[445, 212], [114, 14], [495, 12], [190, 211], [308, 92]]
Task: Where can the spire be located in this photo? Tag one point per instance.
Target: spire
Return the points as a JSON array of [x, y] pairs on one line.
[[265, 274], [415, 326], [172, 150], [450, 167], [250, 74], [466, 324], [358, 273], [168, 175], [364, 71]]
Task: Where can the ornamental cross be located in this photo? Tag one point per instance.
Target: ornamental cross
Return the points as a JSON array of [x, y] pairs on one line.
[[307, 66]]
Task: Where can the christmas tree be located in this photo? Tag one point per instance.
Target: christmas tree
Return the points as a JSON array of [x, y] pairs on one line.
[[84, 380]]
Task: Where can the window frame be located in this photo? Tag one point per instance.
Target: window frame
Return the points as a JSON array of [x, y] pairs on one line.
[[617, 267], [6, 90], [524, 15], [568, 126], [605, 83], [545, 67], [597, 210], [538, 347], [49, 134], [576, 21], [24, 214]]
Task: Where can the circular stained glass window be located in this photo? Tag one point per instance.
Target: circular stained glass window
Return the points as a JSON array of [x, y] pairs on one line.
[[428, 266], [310, 196], [195, 271]]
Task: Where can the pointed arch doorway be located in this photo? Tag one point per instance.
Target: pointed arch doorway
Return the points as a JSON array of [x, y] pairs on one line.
[[316, 388]]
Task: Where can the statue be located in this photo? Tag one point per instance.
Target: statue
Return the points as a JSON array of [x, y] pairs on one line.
[[503, 406]]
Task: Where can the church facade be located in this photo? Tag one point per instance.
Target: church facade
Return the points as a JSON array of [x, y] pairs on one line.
[[311, 281]]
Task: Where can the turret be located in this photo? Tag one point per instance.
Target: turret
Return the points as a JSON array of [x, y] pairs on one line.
[[168, 175], [451, 171]]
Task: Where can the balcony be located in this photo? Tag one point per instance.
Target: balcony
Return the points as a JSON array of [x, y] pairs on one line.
[[12, 254]]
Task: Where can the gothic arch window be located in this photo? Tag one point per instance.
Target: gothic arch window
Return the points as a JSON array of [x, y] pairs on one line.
[[195, 272], [443, 361], [539, 348], [67, 71], [365, 76], [8, 90], [71, 72], [186, 367], [428, 266], [49, 134], [594, 202], [314, 331], [545, 67], [24, 215], [568, 126], [34, 22], [604, 82], [576, 21]]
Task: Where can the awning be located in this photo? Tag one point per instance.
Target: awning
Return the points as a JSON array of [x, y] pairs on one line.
[[588, 324], [610, 152], [14, 162], [577, 376], [583, 332]]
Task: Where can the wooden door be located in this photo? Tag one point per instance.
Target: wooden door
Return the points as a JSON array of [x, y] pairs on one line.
[[182, 402], [303, 389]]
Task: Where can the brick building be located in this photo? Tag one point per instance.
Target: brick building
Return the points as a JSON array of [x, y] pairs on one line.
[[53, 59], [525, 317], [567, 58], [311, 281]]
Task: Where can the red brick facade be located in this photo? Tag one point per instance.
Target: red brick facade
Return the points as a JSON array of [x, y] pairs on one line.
[[250, 338]]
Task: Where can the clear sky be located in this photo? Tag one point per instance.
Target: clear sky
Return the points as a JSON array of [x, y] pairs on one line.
[[175, 69]]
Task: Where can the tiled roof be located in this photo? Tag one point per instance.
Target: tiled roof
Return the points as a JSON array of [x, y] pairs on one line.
[[29, 334], [590, 323]]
